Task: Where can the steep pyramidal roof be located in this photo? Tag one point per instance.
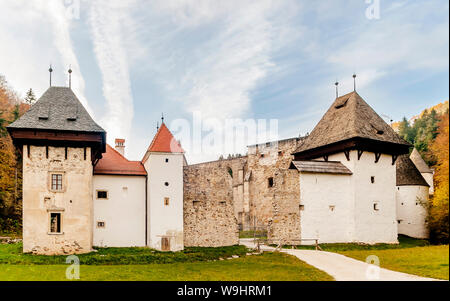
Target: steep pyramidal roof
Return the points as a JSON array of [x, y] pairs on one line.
[[350, 117], [165, 142], [407, 172], [418, 161], [57, 109], [113, 163]]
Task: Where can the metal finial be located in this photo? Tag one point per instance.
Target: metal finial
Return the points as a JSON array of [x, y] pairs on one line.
[[162, 118], [157, 126], [50, 70], [354, 82], [337, 84], [70, 77]]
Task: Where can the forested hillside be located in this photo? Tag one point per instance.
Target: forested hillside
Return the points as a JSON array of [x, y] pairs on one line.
[[429, 133], [11, 108]]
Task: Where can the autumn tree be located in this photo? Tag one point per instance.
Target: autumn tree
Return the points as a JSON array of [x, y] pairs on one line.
[[439, 218], [11, 108]]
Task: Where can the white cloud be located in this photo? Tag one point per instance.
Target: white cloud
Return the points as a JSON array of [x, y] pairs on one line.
[[106, 20], [34, 38], [234, 41]]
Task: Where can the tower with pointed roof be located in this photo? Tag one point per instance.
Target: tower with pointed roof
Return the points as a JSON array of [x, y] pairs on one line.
[[164, 161], [426, 172], [60, 143], [360, 204]]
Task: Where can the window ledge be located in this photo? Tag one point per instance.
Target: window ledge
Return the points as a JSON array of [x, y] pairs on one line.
[[54, 233]]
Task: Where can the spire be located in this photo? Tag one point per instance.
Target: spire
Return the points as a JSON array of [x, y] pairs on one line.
[[70, 77], [162, 118], [354, 82], [157, 126], [337, 84], [50, 70]]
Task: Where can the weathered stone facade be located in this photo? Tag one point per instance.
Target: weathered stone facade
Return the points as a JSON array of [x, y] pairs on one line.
[[209, 214], [73, 202], [258, 189]]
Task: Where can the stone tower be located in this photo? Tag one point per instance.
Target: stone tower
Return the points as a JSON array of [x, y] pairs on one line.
[[60, 143], [164, 162]]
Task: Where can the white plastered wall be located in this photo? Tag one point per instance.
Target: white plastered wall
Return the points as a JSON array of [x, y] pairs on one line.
[[318, 192], [411, 209], [165, 220], [357, 195], [123, 212]]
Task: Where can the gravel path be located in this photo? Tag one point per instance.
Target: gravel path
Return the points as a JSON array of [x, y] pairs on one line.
[[343, 268]]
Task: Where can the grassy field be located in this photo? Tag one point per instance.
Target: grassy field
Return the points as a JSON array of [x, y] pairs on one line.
[[264, 267], [410, 255], [404, 242], [148, 264], [429, 261], [12, 254]]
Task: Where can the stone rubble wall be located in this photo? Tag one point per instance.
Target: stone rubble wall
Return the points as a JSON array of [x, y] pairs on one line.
[[209, 213], [74, 202]]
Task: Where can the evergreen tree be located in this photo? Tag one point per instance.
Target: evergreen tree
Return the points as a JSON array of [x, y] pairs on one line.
[[30, 98]]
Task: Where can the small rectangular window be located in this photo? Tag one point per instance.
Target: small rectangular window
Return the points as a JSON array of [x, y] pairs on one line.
[[55, 222], [102, 194], [166, 201], [372, 179], [56, 181], [100, 224], [376, 207], [167, 160], [332, 207], [270, 182], [280, 153], [301, 207]]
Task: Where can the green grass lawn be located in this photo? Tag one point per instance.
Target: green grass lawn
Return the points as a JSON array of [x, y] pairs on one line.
[[429, 261], [410, 255], [147, 264], [264, 267], [12, 254], [403, 242]]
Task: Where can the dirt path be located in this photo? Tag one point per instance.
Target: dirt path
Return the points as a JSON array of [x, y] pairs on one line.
[[343, 268]]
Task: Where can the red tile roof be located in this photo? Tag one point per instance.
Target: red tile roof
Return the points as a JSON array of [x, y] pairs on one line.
[[113, 163], [165, 142]]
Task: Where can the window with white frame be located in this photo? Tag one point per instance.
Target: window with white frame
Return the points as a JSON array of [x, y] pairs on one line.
[[57, 181]]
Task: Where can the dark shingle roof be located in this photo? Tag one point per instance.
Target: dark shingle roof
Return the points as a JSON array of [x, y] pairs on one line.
[[333, 167], [419, 162], [349, 117], [57, 109], [407, 172]]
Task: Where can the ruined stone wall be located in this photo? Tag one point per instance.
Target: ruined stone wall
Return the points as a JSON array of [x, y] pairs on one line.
[[73, 202], [264, 162], [284, 225], [209, 210]]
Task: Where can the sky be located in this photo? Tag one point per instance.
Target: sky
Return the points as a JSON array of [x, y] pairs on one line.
[[203, 63]]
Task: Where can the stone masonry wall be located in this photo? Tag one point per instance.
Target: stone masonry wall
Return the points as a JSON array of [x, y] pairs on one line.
[[264, 162], [284, 225], [73, 202], [209, 213]]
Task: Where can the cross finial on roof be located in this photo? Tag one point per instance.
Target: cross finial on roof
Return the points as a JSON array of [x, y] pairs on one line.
[[50, 70], [162, 118], [354, 82], [337, 84]]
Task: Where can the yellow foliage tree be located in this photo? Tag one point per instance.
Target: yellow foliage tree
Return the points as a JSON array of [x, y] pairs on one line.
[[439, 218]]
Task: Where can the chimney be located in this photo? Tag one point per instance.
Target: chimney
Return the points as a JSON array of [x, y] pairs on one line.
[[120, 146]]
